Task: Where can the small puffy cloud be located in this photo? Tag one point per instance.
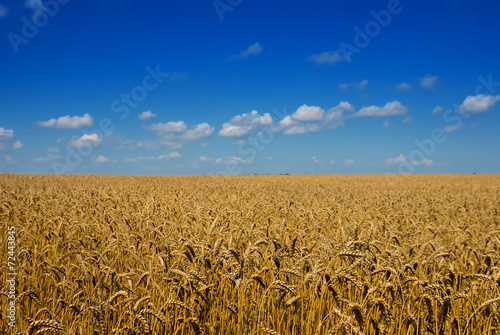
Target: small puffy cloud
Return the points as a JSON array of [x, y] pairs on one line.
[[269, 158], [437, 110], [332, 162], [147, 115], [329, 57], [232, 160], [349, 162], [204, 159], [245, 124], [101, 159], [308, 113], [426, 161], [428, 81], [403, 87], [48, 158], [334, 117], [358, 85], [315, 160], [68, 122], [169, 127], [478, 104], [252, 50], [175, 134], [87, 140], [201, 130], [3, 11], [401, 158], [53, 149], [153, 158], [17, 145], [302, 129], [389, 109], [9, 159], [6, 133], [452, 129], [312, 118], [386, 124], [174, 154], [407, 120]]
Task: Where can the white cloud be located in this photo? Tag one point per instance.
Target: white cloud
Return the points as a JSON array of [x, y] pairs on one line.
[[425, 161], [175, 134], [6, 133], [334, 117], [401, 158], [204, 159], [389, 109], [3, 11], [437, 110], [147, 115], [9, 159], [244, 124], [332, 162], [428, 81], [329, 57], [403, 87], [60, 140], [269, 158], [199, 131], [408, 120], [358, 85], [205, 145], [308, 113], [68, 122], [87, 140], [48, 158], [315, 160], [169, 127], [386, 124], [479, 103], [154, 158], [349, 162], [232, 160], [452, 129], [174, 154], [252, 50], [17, 145], [101, 159], [302, 129], [312, 118], [53, 149]]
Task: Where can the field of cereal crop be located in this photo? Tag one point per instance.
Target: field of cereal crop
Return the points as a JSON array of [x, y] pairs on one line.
[[282, 255]]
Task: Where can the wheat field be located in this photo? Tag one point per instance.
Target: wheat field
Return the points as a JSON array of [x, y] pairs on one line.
[[252, 254]]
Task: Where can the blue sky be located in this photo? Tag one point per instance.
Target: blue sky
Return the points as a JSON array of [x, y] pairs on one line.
[[239, 86]]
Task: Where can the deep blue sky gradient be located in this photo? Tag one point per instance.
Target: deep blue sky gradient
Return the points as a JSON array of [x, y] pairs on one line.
[[91, 52]]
